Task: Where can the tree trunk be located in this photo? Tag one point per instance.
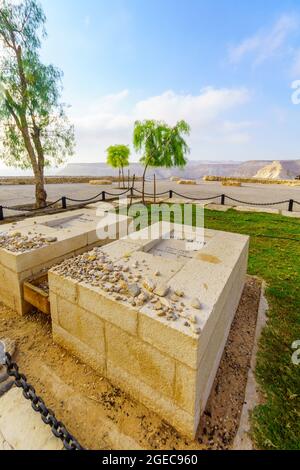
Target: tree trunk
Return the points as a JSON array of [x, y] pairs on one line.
[[119, 178], [123, 177], [40, 193], [144, 178]]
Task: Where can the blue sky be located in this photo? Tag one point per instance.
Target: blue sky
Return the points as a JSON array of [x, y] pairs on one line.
[[225, 66]]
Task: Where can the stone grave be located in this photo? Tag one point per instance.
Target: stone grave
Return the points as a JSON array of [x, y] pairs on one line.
[[153, 315], [31, 246]]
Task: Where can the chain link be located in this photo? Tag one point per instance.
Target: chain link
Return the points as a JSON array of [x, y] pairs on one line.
[[38, 405], [132, 190], [197, 198]]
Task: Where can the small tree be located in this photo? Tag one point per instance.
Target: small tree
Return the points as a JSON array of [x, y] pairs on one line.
[[118, 157], [161, 145], [35, 130]]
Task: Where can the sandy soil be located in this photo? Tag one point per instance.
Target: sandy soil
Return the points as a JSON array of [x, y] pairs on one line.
[[102, 416]]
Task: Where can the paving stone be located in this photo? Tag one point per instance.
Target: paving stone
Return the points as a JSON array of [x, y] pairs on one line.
[[21, 428], [267, 210]]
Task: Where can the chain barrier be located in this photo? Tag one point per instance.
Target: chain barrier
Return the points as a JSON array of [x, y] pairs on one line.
[[120, 194], [96, 197], [197, 198], [32, 210], [58, 429], [131, 190], [258, 203], [151, 194], [84, 200]]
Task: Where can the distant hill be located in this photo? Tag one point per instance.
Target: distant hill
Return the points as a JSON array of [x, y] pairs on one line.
[[288, 169], [280, 170]]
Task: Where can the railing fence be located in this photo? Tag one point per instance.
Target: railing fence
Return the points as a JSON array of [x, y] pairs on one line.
[[102, 197]]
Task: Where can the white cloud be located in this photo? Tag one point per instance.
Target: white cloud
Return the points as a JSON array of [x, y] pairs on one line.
[[110, 120], [265, 44], [197, 109]]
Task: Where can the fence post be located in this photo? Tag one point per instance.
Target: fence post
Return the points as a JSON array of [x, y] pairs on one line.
[[64, 202], [171, 194], [223, 199], [1, 213], [103, 196], [291, 205]]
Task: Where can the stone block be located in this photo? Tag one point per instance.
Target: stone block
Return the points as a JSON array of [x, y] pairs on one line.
[[86, 354], [186, 390], [217, 207], [140, 360], [54, 307], [74, 231], [167, 338], [295, 215], [21, 428], [96, 301], [45, 255], [154, 400], [267, 210], [84, 326], [68, 289]]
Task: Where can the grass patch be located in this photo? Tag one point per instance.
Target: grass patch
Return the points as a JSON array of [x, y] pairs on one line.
[[274, 256]]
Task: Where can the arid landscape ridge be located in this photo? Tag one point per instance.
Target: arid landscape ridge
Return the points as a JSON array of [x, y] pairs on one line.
[[283, 169]]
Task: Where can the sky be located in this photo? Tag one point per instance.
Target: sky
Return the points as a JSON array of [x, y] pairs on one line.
[[225, 66]]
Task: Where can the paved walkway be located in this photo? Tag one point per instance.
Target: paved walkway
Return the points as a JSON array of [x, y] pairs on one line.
[[21, 428], [12, 195]]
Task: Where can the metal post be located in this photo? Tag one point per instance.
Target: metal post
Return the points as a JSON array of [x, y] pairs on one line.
[[132, 190], [291, 205], [64, 202], [154, 189], [223, 199], [1, 213], [103, 196], [171, 194]]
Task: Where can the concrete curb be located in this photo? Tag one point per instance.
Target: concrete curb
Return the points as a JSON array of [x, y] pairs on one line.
[[21, 428], [243, 440]]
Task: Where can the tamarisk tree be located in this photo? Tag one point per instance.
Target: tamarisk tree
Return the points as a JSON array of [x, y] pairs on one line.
[[34, 128], [160, 145], [118, 157]]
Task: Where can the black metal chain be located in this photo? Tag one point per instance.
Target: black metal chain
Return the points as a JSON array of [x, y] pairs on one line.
[[57, 427], [257, 203], [32, 210], [132, 190], [196, 198]]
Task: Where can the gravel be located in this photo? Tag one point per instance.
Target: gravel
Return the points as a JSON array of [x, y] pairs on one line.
[[121, 281]]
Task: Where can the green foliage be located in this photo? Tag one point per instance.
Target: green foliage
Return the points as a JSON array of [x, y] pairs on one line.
[[118, 156], [160, 144], [30, 106], [275, 257]]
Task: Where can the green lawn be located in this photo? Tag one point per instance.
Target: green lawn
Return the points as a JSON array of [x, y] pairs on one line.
[[275, 257]]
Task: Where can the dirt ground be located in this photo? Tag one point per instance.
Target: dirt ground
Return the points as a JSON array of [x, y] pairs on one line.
[[101, 416]]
